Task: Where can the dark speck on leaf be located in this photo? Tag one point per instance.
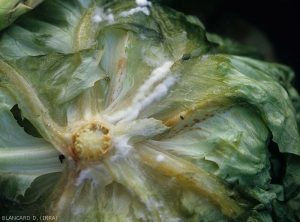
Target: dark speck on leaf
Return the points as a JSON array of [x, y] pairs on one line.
[[61, 158], [186, 57], [107, 79]]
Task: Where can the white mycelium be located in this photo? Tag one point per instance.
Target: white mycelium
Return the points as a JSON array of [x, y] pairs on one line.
[[160, 158], [84, 175], [143, 3], [100, 16], [141, 7], [149, 92]]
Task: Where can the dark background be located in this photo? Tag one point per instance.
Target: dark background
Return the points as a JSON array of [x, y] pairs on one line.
[[278, 21]]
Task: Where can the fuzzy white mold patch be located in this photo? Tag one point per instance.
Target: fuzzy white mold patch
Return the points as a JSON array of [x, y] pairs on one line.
[[160, 158], [126, 134], [151, 90], [143, 3], [142, 6], [122, 147], [83, 175], [100, 15]]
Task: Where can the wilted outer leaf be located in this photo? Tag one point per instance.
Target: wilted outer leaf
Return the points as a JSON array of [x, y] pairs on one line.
[[10, 10]]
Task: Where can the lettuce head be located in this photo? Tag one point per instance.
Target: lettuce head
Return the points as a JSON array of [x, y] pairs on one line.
[[131, 111]]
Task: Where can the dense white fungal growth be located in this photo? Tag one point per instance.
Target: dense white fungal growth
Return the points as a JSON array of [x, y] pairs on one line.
[[141, 7], [135, 10], [151, 90], [160, 158], [126, 134], [100, 16], [159, 92], [121, 146], [84, 175], [143, 3], [157, 75]]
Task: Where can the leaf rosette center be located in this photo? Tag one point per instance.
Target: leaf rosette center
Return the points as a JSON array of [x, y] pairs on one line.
[[92, 142]]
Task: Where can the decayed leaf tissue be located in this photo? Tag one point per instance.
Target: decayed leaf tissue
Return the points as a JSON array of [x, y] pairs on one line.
[[131, 111]]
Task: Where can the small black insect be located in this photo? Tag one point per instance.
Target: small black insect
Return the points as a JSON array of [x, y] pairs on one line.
[[186, 57], [181, 117], [61, 158]]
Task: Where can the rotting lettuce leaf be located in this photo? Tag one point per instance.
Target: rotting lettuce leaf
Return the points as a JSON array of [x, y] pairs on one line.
[[23, 157], [157, 119], [10, 10]]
